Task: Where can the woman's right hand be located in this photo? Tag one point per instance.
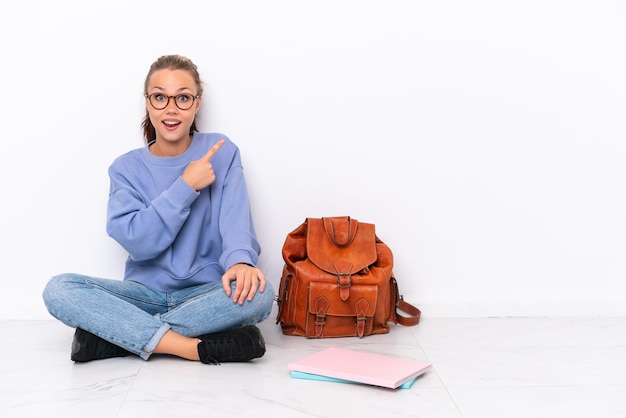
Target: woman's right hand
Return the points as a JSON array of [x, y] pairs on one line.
[[199, 173]]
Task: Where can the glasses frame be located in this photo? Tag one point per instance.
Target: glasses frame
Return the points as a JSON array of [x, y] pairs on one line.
[[193, 100]]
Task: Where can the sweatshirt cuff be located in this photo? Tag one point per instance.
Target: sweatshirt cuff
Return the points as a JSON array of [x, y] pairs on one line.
[[239, 256], [183, 193]]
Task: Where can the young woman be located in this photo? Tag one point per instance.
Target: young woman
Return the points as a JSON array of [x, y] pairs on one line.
[[180, 207]]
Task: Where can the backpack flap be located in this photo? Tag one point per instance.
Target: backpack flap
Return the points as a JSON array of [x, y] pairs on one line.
[[341, 245]]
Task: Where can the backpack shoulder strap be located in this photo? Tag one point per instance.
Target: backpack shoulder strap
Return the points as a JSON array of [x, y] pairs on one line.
[[413, 311], [399, 304]]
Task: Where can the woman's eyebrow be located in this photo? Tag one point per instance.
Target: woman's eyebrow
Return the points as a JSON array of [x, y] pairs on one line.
[[179, 89]]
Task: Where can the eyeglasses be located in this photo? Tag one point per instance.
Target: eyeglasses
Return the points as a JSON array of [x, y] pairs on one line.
[[159, 101]]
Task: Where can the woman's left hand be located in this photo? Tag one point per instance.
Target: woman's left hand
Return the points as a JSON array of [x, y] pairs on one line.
[[249, 280]]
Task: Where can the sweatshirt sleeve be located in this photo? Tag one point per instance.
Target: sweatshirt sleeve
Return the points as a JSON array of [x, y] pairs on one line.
[[144, 227], [239, 240]]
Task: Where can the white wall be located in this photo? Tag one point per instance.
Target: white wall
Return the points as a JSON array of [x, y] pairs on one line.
[[485, 139]]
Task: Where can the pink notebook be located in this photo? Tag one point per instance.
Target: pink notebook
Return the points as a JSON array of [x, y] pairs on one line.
[[357, 366]]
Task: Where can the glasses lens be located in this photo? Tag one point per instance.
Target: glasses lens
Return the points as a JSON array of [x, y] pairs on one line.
[[184, 101], [159, 101]]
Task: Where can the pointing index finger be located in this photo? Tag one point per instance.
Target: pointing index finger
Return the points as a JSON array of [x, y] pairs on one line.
[[211, 152]]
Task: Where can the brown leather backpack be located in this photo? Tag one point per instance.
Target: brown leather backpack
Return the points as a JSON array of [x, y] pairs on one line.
[[338, 281]]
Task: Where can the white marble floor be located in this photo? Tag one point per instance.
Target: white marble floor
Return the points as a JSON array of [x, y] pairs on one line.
[[482, 368]]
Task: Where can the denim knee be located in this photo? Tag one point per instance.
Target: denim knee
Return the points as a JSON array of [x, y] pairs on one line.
[[55, 293], [267, 298], [55, 286], [52, 290]]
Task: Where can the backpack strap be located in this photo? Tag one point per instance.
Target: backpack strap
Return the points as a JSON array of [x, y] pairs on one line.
[[399, 304], [413, 311]]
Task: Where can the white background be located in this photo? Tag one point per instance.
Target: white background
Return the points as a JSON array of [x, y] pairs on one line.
[[485, 139]]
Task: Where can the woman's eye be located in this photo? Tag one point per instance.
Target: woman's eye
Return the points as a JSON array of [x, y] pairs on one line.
[[183, 98], [159, 97]]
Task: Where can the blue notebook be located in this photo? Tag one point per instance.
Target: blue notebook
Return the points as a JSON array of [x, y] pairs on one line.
[[310, 376]]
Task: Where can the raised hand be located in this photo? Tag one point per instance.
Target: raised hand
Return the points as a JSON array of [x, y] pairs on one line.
[[199, 173]]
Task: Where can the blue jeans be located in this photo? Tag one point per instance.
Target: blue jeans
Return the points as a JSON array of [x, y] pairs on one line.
[[135, 317]]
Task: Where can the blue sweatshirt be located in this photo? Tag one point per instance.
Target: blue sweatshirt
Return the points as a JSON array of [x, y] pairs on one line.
[[177, 237]]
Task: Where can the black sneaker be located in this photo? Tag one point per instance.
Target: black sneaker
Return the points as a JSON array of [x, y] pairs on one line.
[[241, 344], [87, 347]]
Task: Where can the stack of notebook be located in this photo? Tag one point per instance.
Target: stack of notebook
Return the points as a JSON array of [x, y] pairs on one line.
[[349, 366]]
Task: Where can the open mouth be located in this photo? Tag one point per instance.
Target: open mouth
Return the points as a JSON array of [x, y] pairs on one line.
[[170, 124]]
